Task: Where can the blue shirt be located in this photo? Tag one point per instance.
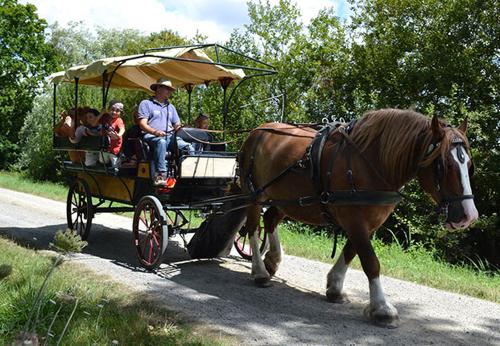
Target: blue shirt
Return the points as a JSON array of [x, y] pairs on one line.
[[161, 116]]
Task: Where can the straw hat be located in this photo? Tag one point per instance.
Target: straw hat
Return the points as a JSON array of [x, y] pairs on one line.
[[162, 81]]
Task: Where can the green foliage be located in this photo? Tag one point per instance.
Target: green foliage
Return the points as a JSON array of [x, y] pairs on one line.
[[68, 241], [93, 310], [416, 263], [5, 270], [438, 57], [37, 158], [25, 59]]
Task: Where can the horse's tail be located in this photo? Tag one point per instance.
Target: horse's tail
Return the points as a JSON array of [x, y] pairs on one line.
[[216, 234]]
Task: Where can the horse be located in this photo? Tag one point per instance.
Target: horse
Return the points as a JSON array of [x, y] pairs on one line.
[[361, 169]]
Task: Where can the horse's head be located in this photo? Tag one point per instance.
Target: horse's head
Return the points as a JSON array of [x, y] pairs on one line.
[[444, 173]]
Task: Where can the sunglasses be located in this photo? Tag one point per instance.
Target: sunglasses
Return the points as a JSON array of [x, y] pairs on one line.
[[115, 110]]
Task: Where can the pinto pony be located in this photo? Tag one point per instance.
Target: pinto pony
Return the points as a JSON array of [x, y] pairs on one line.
[[384, 150]]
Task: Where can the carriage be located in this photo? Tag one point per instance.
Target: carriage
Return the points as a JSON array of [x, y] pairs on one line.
[[349, 174], [159, 212]]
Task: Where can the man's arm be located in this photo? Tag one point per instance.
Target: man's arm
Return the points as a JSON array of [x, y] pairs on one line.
[[177, 126], [143, 124]]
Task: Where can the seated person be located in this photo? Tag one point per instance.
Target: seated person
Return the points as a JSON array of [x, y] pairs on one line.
[[115, 128], [198, 138], [130, 143], [66, 126], [202, 122], [158, 118], [93, 127]]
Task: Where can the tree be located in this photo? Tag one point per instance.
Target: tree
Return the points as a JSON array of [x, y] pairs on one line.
[[438, 57], [25, 59], [275, 29]]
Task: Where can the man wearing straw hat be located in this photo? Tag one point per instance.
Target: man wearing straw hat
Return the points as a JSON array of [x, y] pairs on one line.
[[158, 119]]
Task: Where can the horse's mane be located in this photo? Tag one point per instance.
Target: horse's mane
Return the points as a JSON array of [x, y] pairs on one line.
[[402, 137]]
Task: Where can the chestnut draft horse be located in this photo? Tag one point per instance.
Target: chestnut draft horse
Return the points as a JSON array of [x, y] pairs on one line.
[[361, 174]]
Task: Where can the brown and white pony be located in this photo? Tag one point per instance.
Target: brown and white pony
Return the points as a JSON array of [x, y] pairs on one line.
[[399, 144]]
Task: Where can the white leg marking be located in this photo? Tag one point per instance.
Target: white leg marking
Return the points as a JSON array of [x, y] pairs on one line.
[[275, 254], [380, 310], [377, 296], [336, 276], [258, 267]]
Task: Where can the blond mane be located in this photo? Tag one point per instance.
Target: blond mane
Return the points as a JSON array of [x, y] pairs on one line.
[[402, 138]]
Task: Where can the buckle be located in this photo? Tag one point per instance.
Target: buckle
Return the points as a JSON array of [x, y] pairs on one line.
[[324, 197]]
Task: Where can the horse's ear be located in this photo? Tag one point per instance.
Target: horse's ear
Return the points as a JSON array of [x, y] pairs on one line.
[[437, 130], [463, 126]]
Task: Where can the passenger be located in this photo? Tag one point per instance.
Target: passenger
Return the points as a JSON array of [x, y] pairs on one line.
[[202, 122], [130, 149], [65, 127], [115, 128], [158, 119], [92, 128]]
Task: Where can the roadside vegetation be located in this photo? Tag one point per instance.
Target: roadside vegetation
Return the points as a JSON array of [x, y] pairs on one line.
[[78, 307], [413, 262], [437, 57]]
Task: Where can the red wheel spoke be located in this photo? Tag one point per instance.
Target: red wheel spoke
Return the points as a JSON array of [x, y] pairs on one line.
[[144, 222], [155, 238], [145, 219], [150, 250]]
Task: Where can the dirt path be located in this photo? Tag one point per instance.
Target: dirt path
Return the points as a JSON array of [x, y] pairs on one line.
[[291, 312]]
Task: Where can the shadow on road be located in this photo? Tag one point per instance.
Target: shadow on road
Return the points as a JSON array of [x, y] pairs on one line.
[[295, 314]]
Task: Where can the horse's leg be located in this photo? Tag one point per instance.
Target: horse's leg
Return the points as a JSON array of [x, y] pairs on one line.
[[336, 276], [259, 272], [272, 217], [380, 311]]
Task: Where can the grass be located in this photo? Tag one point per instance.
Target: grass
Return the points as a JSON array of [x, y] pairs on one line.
[[105, 313], [415, 264], [15, 181]]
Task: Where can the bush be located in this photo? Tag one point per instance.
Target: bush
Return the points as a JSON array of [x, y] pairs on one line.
[[36, 157]]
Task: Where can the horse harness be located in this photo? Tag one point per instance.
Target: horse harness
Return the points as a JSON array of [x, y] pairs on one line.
[[324, 196], [439, 173]]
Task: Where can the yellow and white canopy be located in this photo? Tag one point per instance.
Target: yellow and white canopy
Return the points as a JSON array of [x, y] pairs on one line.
[[183, 66]]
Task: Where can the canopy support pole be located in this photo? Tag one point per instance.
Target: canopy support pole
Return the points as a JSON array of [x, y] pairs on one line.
[[225, 83], [189, 88], [104, 91], [76, 104], [54, 108]]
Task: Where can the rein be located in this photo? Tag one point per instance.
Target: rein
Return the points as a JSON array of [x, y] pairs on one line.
[[304, 127]]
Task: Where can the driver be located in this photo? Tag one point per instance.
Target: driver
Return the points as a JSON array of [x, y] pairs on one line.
[[158, 119]]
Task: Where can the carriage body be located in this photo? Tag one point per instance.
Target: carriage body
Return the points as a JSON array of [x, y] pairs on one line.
[[201, 178]]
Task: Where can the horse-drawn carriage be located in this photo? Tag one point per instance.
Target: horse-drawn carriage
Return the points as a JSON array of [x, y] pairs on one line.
[[350, 175], [200, 177]]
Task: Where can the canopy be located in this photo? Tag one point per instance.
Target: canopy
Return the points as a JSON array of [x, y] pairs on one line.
[[183, 66]]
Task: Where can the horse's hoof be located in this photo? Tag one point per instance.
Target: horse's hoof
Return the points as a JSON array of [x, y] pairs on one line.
[[271, 269], [385, 316], [337, 298], [262, 282]]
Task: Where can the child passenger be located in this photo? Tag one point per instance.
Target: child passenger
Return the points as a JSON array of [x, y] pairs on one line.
[[93, 128], [115, 129]]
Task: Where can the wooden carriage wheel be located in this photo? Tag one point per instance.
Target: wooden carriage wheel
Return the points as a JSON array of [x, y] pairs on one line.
[[242, 242], [79, 210], [150, 232]]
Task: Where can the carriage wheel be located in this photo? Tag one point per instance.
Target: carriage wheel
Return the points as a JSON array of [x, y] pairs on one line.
[[150, 232], [242, 242], [79, 210]]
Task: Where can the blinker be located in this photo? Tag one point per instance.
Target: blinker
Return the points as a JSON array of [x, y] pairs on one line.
[[460, 154]]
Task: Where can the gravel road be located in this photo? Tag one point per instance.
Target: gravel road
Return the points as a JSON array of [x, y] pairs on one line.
[[293, 311]]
